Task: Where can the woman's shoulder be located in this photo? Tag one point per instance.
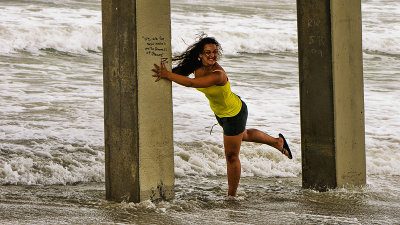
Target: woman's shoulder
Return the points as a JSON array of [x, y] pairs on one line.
[[202, 72], [222, 72]]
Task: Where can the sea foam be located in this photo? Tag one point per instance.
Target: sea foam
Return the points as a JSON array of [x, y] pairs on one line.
[[52, 128], [33, 28]]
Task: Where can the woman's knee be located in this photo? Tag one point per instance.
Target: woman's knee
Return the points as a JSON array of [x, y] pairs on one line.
[[232, 147], [232, 157]]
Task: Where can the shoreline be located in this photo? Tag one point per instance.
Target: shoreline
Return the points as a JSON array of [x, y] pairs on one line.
[[201, 200]]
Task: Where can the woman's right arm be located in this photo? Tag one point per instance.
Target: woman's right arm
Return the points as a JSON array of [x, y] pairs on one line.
[[211, 79]]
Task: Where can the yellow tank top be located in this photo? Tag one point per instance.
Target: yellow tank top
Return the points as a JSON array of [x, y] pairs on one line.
[[223, 102]]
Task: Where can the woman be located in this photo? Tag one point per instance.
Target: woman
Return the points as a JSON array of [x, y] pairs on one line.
[[231, 112]]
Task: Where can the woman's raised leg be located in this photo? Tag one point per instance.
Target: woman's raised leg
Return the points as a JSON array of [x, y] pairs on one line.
[[254, 135]]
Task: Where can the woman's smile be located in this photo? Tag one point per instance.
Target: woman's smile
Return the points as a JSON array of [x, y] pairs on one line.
[[212, 60]]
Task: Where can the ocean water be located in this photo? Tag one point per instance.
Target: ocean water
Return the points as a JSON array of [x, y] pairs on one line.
[[51, 117]]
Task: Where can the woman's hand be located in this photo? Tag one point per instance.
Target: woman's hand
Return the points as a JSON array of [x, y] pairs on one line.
[[161, 71]]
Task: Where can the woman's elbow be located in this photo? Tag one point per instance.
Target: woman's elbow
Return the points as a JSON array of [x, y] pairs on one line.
[[190, 84]]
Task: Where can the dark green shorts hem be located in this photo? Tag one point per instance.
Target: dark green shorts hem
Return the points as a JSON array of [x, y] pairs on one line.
[[235, 125]]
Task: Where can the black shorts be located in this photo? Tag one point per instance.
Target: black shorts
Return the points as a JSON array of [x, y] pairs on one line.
[[234, 125]]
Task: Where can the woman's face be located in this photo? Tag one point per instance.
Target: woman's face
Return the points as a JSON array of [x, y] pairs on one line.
[[209, 55]]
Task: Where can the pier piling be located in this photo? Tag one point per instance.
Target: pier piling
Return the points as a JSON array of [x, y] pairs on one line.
[[139, 153], [331, 93]]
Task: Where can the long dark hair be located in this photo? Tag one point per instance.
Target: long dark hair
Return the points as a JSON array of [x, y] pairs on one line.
[[189, 60]]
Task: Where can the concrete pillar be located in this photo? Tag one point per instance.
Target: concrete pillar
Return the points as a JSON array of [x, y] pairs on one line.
[[331, 93], [137, 111]]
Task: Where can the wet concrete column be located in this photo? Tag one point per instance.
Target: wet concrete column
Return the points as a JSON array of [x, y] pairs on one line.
[[331, 93], [139, 154]]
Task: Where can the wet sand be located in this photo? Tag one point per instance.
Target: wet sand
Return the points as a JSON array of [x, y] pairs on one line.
[[203, 201]]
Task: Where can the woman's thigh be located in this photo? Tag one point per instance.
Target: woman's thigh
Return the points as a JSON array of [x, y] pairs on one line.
[[232, 144]]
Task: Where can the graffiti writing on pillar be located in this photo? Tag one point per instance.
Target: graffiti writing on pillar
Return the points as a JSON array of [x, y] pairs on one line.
[[313, 22], [316, 40], [156, 46]]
